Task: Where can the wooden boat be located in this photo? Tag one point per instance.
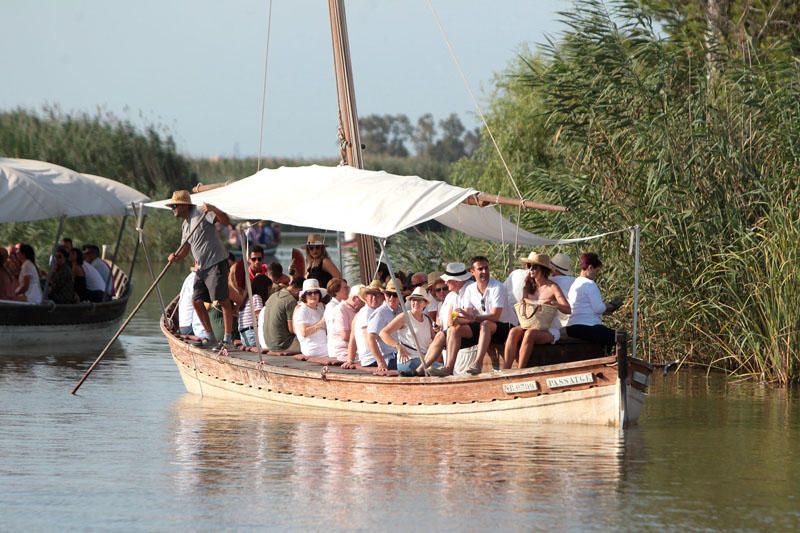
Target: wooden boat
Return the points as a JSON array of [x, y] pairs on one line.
[[576, 385], [35, 190], [573, 382]]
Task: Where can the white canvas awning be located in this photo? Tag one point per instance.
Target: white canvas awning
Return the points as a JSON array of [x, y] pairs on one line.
[[348, 199], [35, 190]]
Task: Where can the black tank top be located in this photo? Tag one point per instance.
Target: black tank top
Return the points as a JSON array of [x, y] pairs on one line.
[[319, 274]]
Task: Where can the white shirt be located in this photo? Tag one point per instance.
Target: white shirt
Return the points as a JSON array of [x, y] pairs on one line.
[[453, 300], [515, 285], [379, 320], [185, 306], [493, 297], [94, 281], [365, 357], [105, 272], [34, 293], [260, 331], [587, 303], [315, 344], [564, 283], [422, 330]]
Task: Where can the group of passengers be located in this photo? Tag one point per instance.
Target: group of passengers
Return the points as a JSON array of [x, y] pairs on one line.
[[75, 275], [453, 318]]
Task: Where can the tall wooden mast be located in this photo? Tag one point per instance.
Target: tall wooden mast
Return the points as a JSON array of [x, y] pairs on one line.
[[349, 138]]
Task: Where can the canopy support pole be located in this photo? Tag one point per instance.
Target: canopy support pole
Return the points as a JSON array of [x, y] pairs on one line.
[[140, 218], [52, 262], [635, 332], [245, 246], [403, 307]]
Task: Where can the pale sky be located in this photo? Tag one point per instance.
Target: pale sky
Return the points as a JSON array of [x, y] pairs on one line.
[[196, 66]]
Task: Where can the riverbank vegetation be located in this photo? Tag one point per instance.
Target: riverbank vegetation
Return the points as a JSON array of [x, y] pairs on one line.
[[689, 130]]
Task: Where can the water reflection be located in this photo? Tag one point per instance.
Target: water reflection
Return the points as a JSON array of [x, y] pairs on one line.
[[348, 463]]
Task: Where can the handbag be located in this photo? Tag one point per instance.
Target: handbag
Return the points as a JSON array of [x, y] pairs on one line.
[[538, 316]]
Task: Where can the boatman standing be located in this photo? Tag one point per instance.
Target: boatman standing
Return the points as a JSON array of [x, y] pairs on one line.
[[211, 281]]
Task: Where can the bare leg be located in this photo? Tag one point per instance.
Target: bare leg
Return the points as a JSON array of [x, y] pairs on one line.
[[227, 316], [434, 351], [487, 330], [532, 337], [202, 314], [454, 336], [512, 346]]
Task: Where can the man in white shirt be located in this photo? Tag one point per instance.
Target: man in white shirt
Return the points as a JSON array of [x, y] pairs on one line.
[[485, 317], [385, 355], [91, 254], [358, 349]]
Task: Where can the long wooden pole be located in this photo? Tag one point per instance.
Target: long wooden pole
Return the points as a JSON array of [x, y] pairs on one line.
[[135, 309], [348, 120]]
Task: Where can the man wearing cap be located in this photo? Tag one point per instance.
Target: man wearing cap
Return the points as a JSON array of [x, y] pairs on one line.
[[372, 295], [341, 325], [199, 236], [486, 318], [385, 355], [562, 276], [457, 279]]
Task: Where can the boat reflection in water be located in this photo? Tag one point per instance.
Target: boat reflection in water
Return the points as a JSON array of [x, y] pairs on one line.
[[343, 465]]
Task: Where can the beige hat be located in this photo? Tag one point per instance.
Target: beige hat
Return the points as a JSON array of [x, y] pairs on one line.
[[374, 286], [433, 277], [561, 263], [312, 285], [537, 259], [456, 271], [181, 197], [314, 240], [355, 290], [390, 286], [419, 293]]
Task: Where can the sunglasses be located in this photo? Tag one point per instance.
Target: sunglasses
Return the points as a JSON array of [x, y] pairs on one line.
[[483, 304], [257, 258], [440, 289], [390, 295], [314, 246], [312, 293]]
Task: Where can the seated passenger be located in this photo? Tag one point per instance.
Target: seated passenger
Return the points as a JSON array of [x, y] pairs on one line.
[[91, 287], [279, 333], [541, 301], [588, 308], [249, 313], [359, 350], [410, 345], [29, 288], [8, 283], [61, 285], [338, 291], [562, 276], [279, 279], [309, 321], [319, 265], [340, 325], [91, 254], [384, 355], [437, 291]]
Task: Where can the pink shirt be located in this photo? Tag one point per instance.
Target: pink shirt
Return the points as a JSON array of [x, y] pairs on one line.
[[342, 319]]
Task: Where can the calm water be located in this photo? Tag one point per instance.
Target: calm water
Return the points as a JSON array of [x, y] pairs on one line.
[[133, 451]]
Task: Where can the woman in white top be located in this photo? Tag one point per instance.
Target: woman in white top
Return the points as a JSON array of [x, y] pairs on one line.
[[309, 321], [406, 342], [29, 288], [588, 307], [540, 295]]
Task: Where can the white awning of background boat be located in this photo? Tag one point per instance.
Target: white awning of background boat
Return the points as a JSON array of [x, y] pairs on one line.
[[35, 190], [348, 199]]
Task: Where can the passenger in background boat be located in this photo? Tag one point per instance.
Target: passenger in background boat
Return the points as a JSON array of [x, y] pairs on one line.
[[95, 286], [211, 283], [319, 265], [188, 321], [309, 320], [279, 279], [340, 324], [62, 286], [384, 354], [8, 283], [29, 288], [372, 296], [486, 317], [543, 299], [260, 287], [588, 307], [66, 243], [279, 332], [410, 345], [562, 276], [437, 290], [457, 279], [91, 254], [14, 261]]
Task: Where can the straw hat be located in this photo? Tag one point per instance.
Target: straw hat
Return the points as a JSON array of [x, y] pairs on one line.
[[312, 285], [419, 293], [375, 286], [180, 198], [314, 240], [390, 287], [533, 258], [456, 271], [561, 263], [433, 277]]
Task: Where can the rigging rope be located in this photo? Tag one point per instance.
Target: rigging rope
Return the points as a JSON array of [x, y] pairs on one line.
[[472, 96], [264, 87]]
